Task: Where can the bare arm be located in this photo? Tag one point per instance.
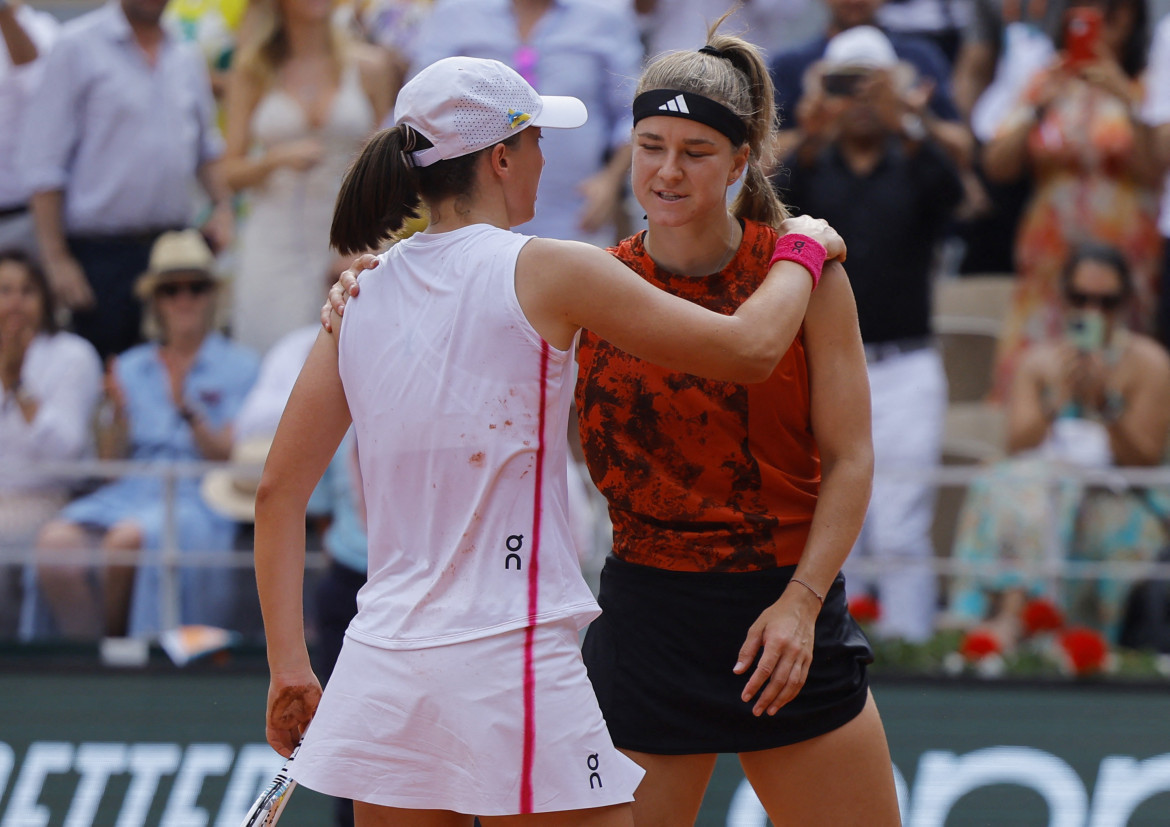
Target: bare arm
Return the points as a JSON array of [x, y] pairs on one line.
[[974, 71], [1138, 436], [21, 49], [603, 190], [1029, 412], [1005, 156], [313, 424], [839, 386], [69, 283], [564, 286], [380, 79]]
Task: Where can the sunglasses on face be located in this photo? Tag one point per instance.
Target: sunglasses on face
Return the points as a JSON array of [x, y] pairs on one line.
[[1105, 301], [175, 288]]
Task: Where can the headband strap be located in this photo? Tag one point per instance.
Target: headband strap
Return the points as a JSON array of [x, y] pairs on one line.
[[693, 107]]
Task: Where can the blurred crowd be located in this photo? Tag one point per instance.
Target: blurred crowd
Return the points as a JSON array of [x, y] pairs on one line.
[[168, 170]]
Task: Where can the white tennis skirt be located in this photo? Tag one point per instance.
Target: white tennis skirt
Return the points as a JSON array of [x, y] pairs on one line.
[[453, 728]]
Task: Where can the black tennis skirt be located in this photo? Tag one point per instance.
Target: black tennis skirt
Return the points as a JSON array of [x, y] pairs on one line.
[[661, 653]]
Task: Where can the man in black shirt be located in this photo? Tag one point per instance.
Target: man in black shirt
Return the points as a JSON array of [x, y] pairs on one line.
[[871, 168]]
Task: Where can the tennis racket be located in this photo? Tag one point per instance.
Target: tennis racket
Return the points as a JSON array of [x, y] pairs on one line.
[[265, 812]]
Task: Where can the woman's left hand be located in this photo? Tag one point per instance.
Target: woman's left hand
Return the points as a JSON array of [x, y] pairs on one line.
[[292, 702], [785, 632]]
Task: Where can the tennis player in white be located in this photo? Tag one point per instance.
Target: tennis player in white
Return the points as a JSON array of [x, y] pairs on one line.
[[460, 689]]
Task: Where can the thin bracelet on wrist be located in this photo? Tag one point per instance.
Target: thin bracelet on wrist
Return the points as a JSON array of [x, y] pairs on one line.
[[820, 597]]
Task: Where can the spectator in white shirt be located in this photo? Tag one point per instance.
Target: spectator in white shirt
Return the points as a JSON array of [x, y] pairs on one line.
[[25, 35], [51, 382], [124, 128]]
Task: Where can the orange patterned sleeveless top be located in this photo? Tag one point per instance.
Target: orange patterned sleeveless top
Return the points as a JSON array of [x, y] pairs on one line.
[[700, 475]]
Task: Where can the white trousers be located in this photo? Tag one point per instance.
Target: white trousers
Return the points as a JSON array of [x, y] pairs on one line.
[[909, 394]]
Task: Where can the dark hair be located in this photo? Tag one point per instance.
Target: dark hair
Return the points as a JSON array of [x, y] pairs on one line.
[[39, 282], [1135, 49], [381, 191], [740, 81], [1101, 253]]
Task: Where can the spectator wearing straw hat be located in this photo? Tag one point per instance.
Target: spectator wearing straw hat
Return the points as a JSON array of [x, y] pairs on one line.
[[170, 400]]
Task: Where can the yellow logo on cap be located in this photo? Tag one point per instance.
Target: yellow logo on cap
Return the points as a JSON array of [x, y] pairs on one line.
[[517, 119]]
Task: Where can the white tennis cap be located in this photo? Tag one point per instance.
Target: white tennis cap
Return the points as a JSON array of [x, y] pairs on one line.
[[464, 104], [861, 47]]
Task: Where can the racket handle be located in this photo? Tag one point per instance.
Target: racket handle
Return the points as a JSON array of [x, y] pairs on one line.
[[266, 810]]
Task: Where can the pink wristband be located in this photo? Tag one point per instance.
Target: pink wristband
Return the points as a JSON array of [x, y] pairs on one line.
[[805, 251]]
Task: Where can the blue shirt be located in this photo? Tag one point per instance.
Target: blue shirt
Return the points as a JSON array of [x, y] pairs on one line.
[[583, 48], [122, 138], [924, 55]]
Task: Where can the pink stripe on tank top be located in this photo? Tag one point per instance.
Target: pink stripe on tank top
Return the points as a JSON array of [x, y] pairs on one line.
[[533, 601]]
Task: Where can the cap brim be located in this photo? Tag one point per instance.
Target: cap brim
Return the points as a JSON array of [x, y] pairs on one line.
[[561, 112]]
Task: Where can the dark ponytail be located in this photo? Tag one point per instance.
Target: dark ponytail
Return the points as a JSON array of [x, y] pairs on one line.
[[379, 193]]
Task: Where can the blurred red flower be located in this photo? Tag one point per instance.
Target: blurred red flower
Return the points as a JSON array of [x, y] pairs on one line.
[[864, 608], [1041, 615], [979, 644], [1085, 649]]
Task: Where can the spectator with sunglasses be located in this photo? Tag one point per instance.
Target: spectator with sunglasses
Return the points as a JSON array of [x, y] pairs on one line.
[[170, 400], [1096, 396]]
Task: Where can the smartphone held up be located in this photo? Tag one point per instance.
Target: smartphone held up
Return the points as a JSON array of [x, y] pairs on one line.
[[1082, 31]]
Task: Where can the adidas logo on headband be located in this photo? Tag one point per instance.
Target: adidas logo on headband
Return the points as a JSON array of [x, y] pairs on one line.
[[692, 106]]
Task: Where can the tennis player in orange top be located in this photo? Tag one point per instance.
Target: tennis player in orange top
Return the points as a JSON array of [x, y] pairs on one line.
[[724, 625]]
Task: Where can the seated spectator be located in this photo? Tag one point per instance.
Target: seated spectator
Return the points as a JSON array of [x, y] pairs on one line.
[[1077, 131], [172, 400], [1094, 397], [52, 382]]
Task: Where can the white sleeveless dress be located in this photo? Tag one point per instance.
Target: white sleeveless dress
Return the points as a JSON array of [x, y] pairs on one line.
[[281, 271]]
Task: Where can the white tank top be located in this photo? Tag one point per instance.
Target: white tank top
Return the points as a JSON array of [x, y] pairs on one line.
[[460, 410]]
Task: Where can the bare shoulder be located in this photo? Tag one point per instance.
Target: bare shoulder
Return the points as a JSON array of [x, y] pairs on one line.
[[833, 294], [559, 254], [1149, 356]]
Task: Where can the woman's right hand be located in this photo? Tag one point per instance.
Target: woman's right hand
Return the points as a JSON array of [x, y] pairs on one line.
[[69, 282], [292, 703], [301, 154], [818, 230], [345, 286]]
